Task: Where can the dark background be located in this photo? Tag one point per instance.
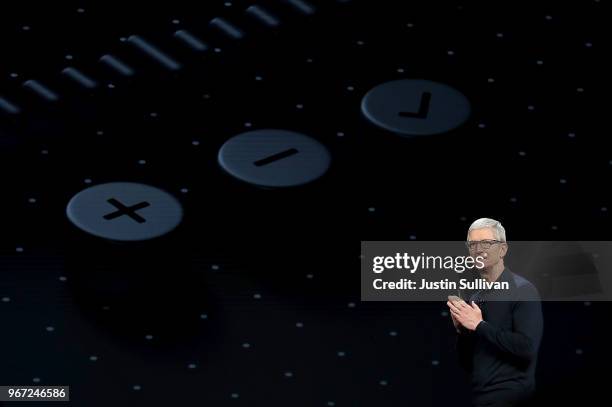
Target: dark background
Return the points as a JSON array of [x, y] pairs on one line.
[[254, 299]]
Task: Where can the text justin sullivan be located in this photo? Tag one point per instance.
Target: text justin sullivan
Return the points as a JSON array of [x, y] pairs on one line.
[[446, 284]]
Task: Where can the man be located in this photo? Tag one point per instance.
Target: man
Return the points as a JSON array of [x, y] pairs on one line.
[[498, 341]]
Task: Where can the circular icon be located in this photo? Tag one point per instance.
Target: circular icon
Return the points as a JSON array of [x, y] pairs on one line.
[[414, 107], [274, 158], [124, 211]]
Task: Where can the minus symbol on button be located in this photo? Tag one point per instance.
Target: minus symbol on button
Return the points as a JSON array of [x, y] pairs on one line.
[[275, 157]]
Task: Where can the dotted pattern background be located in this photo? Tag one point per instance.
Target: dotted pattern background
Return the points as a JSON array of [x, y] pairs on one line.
[[254, 299]]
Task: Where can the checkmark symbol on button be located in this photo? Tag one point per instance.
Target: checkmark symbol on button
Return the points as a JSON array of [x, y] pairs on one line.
[[423, 108]]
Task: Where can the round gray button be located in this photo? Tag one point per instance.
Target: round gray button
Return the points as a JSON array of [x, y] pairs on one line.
[[274, 158], [124, 211], [415, 107]]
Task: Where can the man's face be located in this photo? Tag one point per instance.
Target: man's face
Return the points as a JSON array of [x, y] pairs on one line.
[[493, 254]]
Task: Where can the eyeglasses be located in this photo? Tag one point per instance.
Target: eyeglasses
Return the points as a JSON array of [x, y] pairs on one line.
[[472, 245]]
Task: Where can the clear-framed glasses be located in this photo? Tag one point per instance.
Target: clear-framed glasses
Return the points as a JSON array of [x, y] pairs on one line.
[[472, 245]]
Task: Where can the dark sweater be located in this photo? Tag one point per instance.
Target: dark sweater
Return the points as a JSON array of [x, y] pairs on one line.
[[501, 353]]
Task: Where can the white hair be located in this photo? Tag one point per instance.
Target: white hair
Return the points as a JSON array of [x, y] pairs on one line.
[[500, 232]]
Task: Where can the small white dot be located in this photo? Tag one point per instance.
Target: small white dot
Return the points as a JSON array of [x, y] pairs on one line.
[[531, 107], [288, 374], [482, 125], [371, 209], [299, 324], [215, 267], [36, 380], [206, 96], [26, 28], [80, 10], [227, 4], [579, 90], [62, 278], [309, 276], [299, 106], [587, 303], [142, 162], [540, 62], [50, 329], [548, 17], [176, 21], [412, 237], [111, 86], [195, 143], [217, 50], [122, 39], [359, 42], [400, 70], [246, 345], [44, 152], [184, 190], [341, 354], [383, 382], [554, 227], [100, 133], [588, 45], [513, 199], [522, 153], [248, 124], [69, 57], [490, 80], [19, 249], [235, 395], [93, 358], [87, 180], [6, 299], [309, 60], [32, 200], [148, 337], [571, 135], [191, 366], [331, 404], [579, 352], [410, 25], [499, 35], [351, 305], [393, 333], [258, 78], [136, 387], [203, 316], [435, 362], [350, 88], [604, 209], [153, 114], [14, 75], [257, 296], [105, 307], [563, 181], [444, 313], [450, 52]]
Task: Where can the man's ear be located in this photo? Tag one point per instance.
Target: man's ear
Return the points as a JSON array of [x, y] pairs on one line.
[[503, 250]]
